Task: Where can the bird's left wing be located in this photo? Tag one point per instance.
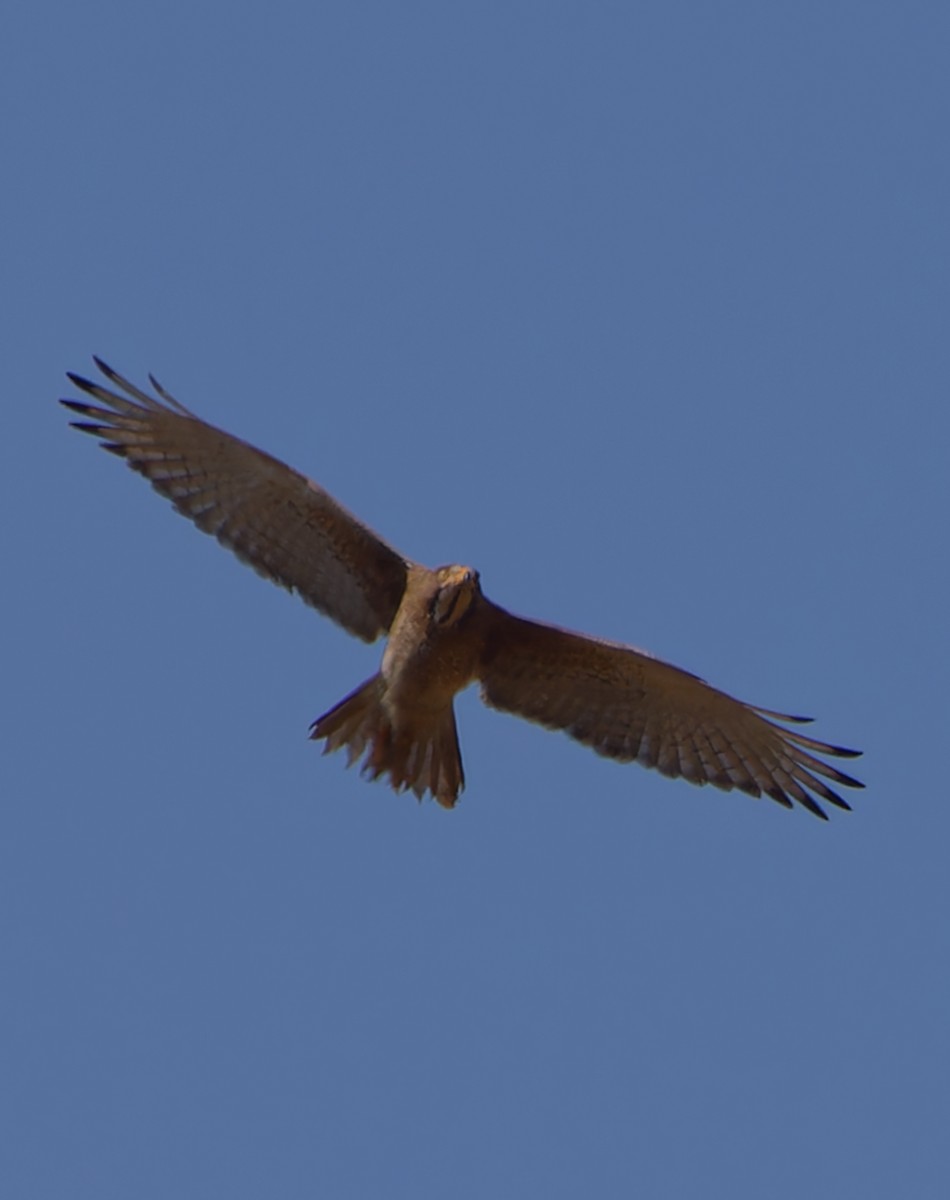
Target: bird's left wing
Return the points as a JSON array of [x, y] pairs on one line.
[[629, 706], [279, 522]]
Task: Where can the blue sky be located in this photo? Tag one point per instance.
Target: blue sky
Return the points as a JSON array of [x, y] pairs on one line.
[[642, 310]]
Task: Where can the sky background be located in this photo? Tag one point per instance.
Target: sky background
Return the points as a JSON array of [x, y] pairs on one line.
[[643, 310]]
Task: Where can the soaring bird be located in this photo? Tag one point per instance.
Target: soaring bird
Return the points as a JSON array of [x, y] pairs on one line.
[[444, 633]]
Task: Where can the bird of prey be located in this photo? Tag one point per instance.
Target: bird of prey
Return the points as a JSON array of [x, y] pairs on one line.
[[444, 633]]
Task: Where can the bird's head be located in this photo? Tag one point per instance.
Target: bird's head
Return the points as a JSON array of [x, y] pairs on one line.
[[457, 588]]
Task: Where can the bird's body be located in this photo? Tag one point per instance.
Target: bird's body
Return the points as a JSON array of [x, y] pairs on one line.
[[436, 639], [404, 715], [444, 634]]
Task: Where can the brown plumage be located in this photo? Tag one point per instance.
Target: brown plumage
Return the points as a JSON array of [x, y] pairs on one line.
[[443, 632]]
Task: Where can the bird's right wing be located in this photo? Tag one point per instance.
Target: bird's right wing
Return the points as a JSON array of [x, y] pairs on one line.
[[279, 522]]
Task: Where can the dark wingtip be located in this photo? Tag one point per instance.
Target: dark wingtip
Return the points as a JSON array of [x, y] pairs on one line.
[[787, 718], [80, 381], [104, 367], [806, 801], [836, 800], [831, 772], [777, 794]]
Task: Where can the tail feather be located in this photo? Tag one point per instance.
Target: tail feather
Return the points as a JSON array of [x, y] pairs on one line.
[[421, 755]]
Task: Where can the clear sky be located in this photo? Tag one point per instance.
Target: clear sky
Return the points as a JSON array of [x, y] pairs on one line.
[[643, 310]]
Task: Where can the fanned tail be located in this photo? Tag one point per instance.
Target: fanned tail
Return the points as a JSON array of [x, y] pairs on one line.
[[421, 755]]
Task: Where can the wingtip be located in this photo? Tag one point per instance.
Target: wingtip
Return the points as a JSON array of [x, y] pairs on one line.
[[786, 718], [80, 381]]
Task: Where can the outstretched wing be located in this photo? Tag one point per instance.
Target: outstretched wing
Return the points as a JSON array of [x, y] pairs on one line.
[[629, 706], [275, 519]]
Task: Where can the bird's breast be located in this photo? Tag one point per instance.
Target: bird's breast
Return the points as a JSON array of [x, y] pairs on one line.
[[425, 664]]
